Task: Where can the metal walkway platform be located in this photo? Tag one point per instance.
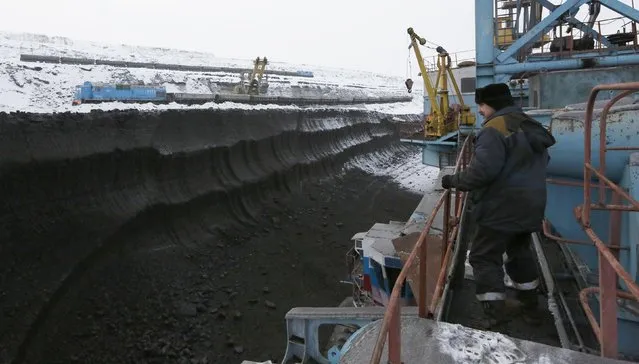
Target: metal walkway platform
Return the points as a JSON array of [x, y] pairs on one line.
[[425, 341]]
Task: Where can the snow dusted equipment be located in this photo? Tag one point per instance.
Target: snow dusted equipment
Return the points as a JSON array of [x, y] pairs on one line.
[[253, 85], [130, 93], [99, 92]]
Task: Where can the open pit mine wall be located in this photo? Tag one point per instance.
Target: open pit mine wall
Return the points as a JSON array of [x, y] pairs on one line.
[[75, 188]]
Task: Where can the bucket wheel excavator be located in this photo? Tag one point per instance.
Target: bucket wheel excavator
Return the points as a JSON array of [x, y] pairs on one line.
[[253, 83], [444, 118]]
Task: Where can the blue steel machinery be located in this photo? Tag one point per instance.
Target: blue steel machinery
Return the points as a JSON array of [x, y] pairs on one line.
[[591, 214]]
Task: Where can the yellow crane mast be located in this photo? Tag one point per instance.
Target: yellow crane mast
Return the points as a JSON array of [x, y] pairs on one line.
[[444, 118], [252, 85]]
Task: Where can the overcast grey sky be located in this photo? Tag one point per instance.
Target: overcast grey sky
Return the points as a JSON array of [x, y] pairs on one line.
[[358, 34]]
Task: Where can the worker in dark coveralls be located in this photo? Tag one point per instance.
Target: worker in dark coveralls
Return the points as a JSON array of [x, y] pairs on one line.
[[507, 180]]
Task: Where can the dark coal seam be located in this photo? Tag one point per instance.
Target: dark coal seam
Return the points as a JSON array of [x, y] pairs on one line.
[[84, 265]]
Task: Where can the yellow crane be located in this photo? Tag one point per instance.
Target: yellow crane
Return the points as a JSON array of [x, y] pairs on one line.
[[444, 117], [251, 86]]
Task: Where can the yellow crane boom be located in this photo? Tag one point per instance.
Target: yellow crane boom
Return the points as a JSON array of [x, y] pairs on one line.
[[443, 118], [428, 86]]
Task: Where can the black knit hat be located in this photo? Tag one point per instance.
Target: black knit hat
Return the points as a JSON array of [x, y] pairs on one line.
[[495, 95]]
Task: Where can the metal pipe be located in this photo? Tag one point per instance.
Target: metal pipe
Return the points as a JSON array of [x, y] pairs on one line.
[[614, 187], [585, 210], [393, 302], [423, 284], [634, 27], [394, 337], [441, 277], [613, 207], [446, 239], [550, 283], [602, 138], [560, 182], [605, 252], [459, 245], [548, 234], [567, 64], [583, 300], [609, 265], [608, 285], [559, 239]]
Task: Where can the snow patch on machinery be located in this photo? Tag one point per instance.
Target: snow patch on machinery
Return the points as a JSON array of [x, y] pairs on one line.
[[466, 345]]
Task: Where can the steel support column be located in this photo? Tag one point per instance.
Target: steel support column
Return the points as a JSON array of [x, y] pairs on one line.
[[484, 42], [484, 47]]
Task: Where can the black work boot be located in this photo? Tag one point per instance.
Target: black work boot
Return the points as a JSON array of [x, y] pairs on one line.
[[495, 314], [530, 307]]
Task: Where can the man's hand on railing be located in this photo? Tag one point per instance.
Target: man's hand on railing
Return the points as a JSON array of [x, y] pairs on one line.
[[447, 181]]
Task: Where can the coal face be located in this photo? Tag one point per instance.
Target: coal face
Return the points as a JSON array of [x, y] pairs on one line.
[[127, 236]]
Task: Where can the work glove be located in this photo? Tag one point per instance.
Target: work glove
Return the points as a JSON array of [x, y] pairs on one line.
[[447, 181]]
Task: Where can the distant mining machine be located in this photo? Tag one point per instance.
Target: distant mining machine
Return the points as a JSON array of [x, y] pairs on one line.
[[253, 84], [444, 118]]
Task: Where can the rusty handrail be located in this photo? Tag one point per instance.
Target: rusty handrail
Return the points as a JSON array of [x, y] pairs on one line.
[[583, 297], [609, 267], [391, 320], [548, 234]]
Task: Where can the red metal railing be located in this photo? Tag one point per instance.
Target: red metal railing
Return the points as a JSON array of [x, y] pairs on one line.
[[609, 267], [391, 327]]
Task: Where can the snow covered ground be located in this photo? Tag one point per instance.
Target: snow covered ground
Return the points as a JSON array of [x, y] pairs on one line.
[[41, 87], [409, 172]]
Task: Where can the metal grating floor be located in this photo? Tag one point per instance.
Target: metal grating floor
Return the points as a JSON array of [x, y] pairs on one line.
[[425, 341]]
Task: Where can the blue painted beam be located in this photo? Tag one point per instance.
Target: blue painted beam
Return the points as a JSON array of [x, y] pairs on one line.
[[567, 64], [550, 6], [484, 42], [536, 32], [413, 141], [516, 27], [539, 58], [586, 29], [485, 31], [576, 22], [547, 4], [438, 143], [621, 8]]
